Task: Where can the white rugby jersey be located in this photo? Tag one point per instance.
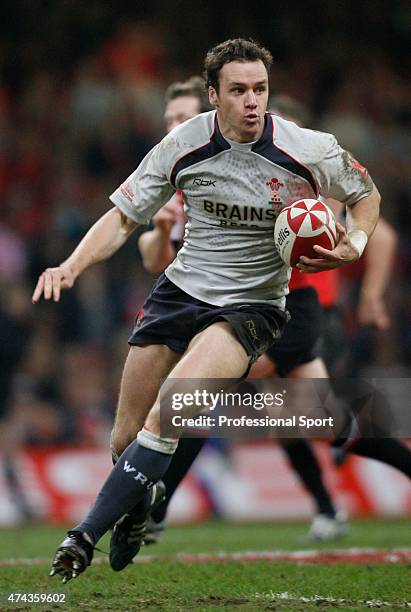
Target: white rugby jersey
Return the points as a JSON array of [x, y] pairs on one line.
[[232, 195]]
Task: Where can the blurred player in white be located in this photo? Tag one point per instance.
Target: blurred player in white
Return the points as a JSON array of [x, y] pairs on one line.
[[220, 304], [158, 246]]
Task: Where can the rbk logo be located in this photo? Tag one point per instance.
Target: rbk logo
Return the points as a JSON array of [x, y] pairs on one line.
[[128, 468], [252, 329], [204, 182]]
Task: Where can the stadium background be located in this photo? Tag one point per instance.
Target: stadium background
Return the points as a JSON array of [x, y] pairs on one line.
[[81, 102]]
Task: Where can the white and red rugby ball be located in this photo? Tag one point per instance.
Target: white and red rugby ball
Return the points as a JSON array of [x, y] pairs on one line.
[[300, 226]]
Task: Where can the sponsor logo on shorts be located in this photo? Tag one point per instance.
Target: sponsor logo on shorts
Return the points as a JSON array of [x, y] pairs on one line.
[[252, 329]]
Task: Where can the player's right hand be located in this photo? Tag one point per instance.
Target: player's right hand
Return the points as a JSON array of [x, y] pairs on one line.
[[51, 282]]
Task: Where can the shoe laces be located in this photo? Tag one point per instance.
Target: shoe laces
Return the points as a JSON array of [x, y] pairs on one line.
[[85, 536]]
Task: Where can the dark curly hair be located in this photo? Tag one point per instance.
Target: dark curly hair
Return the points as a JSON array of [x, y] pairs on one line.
[[234, 50]]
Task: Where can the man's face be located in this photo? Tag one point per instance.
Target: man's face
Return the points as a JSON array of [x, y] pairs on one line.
[[242, 100], [180, 109]]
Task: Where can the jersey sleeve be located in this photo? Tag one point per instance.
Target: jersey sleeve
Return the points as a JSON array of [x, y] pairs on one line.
[[145, 191], [339, 174]]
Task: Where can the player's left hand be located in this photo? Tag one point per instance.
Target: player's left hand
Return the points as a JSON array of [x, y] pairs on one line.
[[344, 253], [52, 281]]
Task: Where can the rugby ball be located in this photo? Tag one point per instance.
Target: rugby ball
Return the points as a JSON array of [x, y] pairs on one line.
[[300, 226]]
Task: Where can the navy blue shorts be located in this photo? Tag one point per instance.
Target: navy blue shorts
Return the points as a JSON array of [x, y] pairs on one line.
[[300, 341], [172, 317]]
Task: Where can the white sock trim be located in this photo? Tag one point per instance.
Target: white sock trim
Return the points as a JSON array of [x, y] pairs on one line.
[[153, 442]]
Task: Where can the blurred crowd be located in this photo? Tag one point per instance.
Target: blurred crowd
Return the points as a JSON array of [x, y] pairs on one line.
[[72, 131]]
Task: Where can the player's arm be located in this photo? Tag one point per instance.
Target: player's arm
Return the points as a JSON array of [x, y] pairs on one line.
[[156, 247], [156, 250], [102, 240], [362, 217], [341, 177], [379, 263]]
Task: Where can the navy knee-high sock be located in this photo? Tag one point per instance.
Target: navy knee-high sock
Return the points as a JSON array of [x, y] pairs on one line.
[[388, 450], [304, 462], [134, 474]]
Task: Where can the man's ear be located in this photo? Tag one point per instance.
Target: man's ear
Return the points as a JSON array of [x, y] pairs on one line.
[[213, 97]]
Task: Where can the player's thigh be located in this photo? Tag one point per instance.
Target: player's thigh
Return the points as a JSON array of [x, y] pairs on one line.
[[144, 369], [214, 353]]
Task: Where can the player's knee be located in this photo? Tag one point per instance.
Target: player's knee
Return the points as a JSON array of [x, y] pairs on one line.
[[152, 422], [119, 443]]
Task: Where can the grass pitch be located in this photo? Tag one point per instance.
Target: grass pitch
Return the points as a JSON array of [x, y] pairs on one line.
[[169, 584]]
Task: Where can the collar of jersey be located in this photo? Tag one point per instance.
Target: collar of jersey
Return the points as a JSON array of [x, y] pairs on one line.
[[245, 146]]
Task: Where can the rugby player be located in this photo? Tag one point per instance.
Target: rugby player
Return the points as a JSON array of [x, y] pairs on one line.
[[221, 303], [158, 248]]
